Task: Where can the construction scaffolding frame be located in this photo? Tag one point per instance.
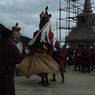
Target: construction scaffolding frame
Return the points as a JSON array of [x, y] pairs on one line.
[[71, 9]]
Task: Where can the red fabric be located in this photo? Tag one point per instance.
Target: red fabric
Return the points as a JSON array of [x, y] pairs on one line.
[[50, 33]]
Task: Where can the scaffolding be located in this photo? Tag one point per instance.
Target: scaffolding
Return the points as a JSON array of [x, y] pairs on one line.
[[71, 8]]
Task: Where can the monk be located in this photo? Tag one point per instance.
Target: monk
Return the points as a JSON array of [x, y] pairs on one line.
[[9, 57]]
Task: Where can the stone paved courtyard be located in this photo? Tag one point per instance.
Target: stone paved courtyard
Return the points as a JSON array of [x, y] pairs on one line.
[[76, 83]]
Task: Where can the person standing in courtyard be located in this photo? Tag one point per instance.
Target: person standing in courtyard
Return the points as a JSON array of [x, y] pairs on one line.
[[59, 57], [9, 56]]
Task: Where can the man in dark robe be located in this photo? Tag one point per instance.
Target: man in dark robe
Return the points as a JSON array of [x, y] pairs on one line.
[[9, 56], [60, 59]]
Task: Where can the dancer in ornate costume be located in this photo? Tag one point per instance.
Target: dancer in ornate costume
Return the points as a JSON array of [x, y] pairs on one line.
[[39, 62]]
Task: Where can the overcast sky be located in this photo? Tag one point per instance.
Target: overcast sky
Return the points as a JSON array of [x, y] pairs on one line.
[[26, 13]]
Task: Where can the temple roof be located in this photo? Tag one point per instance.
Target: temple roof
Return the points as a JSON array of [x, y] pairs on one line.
[[25, 39], [4, 29]]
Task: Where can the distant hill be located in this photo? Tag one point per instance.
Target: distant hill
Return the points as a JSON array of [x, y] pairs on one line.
[[25, 40]]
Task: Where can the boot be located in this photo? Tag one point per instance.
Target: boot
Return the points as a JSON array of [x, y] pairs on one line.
[[42, 80], [46, 83], [62, 76]]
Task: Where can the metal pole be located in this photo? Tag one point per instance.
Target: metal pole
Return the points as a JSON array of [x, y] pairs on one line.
[[56, 30], [60, 20]]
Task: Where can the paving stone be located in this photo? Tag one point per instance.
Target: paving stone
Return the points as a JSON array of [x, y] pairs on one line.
[[76, 83]]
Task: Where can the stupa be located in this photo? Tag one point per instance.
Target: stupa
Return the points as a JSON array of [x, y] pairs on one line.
[[83, 35]]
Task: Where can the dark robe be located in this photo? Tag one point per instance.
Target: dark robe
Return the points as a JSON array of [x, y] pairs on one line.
[[9, 56], [58, 57]]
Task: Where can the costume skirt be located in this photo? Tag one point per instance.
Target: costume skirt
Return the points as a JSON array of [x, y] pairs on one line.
[[37, 64]]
